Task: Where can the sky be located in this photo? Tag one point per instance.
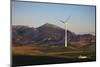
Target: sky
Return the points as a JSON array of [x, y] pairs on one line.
[[34, 14]]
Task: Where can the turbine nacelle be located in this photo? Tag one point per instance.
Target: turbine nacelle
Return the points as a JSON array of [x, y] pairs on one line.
[[65, 22]]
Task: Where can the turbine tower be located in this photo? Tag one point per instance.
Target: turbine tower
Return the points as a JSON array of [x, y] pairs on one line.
[[65, 23]]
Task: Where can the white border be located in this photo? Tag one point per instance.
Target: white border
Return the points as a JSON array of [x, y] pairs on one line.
[[5, 33]]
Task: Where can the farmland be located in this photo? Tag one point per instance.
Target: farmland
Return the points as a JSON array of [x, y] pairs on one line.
[[55, 54]]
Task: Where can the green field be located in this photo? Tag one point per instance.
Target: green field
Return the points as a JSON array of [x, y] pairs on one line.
[[56, 51], [35, 55]]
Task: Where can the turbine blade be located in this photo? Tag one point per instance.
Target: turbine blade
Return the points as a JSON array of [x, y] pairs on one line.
[[62, 21], [67, 18]]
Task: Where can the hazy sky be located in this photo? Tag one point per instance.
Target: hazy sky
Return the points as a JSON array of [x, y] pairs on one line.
[[36, 14]]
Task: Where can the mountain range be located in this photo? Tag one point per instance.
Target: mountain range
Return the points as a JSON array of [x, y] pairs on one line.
[[48, 34]]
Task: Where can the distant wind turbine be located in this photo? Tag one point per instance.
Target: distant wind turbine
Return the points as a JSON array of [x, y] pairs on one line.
[[65, 23]]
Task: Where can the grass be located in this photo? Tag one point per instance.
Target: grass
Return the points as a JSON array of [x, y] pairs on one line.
[[45, 53], [24, 60]]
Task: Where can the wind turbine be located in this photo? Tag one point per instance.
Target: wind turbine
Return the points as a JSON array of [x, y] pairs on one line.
[[65, 23]]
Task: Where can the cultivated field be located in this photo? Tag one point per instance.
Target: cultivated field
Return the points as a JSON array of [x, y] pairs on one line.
[[55, 54]]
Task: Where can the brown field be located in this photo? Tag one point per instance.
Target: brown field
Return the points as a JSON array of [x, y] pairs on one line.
[[68, 52]]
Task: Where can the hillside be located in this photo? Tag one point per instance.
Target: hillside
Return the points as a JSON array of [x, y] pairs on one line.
[[48, 34]]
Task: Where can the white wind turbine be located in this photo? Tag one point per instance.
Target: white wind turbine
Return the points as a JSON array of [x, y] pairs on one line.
[[65, 23]]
